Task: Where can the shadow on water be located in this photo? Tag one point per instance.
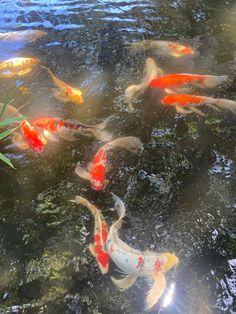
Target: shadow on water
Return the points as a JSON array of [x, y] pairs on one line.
[[179, 192]]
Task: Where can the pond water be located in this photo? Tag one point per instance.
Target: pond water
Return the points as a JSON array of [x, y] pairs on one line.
[[180, 191]]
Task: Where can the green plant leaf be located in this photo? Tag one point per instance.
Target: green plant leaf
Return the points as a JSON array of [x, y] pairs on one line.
[[11, 120], [6, 160], [6, 133], [5, 105]]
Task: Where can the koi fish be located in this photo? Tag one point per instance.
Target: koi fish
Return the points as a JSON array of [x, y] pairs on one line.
[[98, 247], [150, 72], [24, 90], [67, 129], [17, 66], [185, 103], [134, 263], [97, 169], [65, 92], [181, 79], [165, 48], [29, 35], [31, 138]]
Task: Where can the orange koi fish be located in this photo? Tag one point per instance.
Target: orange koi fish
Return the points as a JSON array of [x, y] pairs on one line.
[[67, 129], [32, 137], [98, 247], [17, 66], [65, 92], [185, 103], [181, 79], [29, 35], [134, 263], [165, 48], [96, 171]]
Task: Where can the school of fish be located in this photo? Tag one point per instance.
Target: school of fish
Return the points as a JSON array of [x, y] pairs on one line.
[[38, 132]]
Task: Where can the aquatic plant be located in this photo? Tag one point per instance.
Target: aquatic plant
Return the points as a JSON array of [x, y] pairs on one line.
[[4, 123]]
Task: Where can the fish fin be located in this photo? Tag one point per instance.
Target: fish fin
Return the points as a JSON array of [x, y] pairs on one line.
[[226, 104], [60, 95], [130, 143], [92, 249], [106, 183], [213, 107], [50, 136], [197, 111], [17, 140], [170, 91], [156, 291], [81, 172], [24, 72], [130, 106], [181, 110], [124, 283], [212, 81], [102, 135]]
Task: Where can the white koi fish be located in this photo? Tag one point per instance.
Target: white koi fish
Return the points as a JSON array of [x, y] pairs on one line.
[[151, 71], [134, 263]]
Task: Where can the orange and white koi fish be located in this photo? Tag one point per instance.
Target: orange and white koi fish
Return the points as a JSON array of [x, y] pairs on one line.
[[170, 81], [98, 247], [65, 92], [53, 128], [17, 66], [185, 103], [134, 263], [30, 138], [165, 48], [29, 35], [150, 72], [97, 169]]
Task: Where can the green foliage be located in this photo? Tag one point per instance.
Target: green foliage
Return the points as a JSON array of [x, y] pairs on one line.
[[6, 133]]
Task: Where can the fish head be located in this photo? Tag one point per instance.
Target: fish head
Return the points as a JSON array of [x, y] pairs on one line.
[[98, 184], [45, 123], [34, 60], [76, 96], [170, 261]]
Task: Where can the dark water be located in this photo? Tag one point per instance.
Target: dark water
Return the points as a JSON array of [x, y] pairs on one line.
[[179, 192]]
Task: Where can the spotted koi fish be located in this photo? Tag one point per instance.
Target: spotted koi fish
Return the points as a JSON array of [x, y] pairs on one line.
[[98, 247], [164, 48], [185, 103], [53, 128], [65, 92], [150, 72], [134, 263], [181, 79], [29, 35], [97, 169], [17, 66]]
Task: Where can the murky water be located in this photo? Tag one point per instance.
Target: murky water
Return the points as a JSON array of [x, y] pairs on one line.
[[179, 192]]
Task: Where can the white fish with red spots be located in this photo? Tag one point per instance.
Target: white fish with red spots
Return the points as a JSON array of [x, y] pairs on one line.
[[134, 263]]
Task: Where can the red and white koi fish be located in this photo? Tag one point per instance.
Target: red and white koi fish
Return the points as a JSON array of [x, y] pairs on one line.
[[134, 263], [97, 169], [164, 48], [150, 72], [185, 103], [181, 79], [31, 138], [29, 35], [65, 92], [68, 129], [98, 247], [17, 66]]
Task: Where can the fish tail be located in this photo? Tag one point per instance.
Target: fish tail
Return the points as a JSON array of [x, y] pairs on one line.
[[99, 132], [120, 209], [130, 143], [83, 201], [102, 135], [212, 81], [226, 104]]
